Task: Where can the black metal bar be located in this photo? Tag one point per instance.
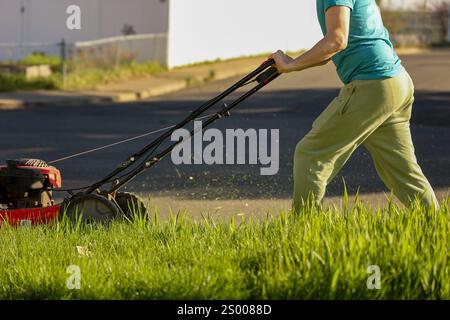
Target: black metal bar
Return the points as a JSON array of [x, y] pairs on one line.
[[271, 75], [132, 159]]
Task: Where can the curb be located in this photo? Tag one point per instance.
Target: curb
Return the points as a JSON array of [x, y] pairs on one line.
[[19, 104], [122, 97], [10, 104], [174, 85]]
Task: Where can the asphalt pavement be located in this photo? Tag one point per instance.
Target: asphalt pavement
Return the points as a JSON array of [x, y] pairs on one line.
[[290, 104]]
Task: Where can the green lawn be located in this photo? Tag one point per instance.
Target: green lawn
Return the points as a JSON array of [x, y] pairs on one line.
[[315, 255]]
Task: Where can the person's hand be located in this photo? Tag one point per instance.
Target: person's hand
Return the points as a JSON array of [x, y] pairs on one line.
[[282, 61]]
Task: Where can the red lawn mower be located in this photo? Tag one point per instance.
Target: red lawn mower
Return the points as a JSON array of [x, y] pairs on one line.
[[26, 185]]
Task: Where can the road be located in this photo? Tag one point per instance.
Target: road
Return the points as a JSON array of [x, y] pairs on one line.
[[290, 104]]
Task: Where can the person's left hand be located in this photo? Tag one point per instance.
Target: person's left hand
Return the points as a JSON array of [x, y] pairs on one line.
[[282, 61]]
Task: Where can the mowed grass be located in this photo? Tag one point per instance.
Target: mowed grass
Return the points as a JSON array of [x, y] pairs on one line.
[[313, 255]]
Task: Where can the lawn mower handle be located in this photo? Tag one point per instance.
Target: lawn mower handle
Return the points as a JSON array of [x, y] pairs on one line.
[[267, 76], [263, 75]]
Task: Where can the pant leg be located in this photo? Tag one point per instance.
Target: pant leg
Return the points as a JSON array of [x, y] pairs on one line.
[[360, 108], [392, 151]]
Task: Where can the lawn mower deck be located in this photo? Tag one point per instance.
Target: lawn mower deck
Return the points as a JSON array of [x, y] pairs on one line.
[[26, 187]]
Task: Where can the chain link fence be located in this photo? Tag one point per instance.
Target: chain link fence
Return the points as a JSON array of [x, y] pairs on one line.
[[104, 54], [10, 52], [417, 23], [140, 48], [111, 51], [416, 28]]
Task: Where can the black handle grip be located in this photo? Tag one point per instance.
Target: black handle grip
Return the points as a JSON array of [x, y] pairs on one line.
[[268, 63], [267, 75]]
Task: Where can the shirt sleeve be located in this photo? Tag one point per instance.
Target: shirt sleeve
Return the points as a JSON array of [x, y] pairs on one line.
[[332, 3]]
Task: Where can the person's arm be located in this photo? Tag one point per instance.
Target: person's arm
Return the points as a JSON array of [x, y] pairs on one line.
[[338, 25]]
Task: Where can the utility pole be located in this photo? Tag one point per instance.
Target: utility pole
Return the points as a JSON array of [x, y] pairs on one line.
[[63, 45], [448, 22], [22, 28], [100, 19]]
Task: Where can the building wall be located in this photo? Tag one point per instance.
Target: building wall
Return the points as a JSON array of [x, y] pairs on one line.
[[202, 30], [45, 20], [199, 29]]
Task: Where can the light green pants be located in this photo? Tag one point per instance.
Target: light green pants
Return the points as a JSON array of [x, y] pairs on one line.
[[376, 114]]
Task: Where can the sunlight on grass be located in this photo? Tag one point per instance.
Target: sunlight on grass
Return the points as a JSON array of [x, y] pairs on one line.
[[313, 255]]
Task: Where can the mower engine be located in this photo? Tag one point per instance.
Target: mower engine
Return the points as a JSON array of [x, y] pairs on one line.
[[27, 184]]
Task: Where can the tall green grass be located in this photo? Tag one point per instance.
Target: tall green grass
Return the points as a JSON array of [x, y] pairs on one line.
[[81, 77], [10, 82], [314, 255], [36, 58], [15, 82]]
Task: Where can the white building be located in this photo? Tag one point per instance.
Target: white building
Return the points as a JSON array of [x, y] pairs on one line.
[[196, 30]]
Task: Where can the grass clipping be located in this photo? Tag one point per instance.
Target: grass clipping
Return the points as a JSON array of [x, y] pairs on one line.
[[313, 255]]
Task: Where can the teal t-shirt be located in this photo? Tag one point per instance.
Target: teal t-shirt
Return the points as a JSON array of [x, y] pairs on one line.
[[369, 53]]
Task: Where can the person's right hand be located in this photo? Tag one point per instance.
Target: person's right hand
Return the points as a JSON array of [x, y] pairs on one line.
[[282, 61]]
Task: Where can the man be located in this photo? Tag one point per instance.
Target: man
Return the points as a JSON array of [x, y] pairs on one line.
[[372, 109]]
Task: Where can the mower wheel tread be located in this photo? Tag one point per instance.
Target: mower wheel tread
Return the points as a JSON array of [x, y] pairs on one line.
[[130, 204], [91, 208]]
